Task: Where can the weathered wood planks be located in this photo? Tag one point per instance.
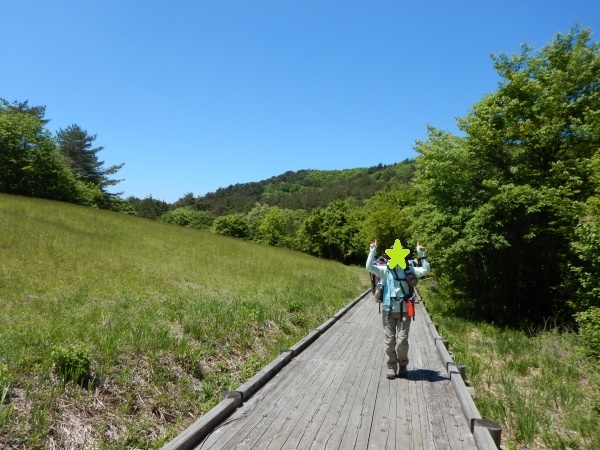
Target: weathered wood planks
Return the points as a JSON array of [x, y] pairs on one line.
[[334, 394]]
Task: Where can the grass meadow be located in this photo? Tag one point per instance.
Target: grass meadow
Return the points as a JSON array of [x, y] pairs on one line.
[[163, 318], [537, 383]]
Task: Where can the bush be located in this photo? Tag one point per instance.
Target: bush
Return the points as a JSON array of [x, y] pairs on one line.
[[71, 363], [589, 329], [234, 225], [186, 216]]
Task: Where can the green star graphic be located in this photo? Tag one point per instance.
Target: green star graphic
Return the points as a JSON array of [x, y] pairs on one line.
[[397, 255]]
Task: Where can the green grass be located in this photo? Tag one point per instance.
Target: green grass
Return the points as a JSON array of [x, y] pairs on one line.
[[538, 385], [171, 317]]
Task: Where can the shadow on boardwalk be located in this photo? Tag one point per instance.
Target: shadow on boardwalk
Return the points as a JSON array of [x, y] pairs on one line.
[[335, 395]]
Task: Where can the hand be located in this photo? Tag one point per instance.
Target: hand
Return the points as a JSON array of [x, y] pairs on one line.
[[374, 244]]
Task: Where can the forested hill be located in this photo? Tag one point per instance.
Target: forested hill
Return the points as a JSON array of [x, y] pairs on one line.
[[304, 189]]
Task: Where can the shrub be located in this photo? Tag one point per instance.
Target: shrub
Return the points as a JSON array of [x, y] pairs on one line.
[[186, 216], [589, 329], [234, 225], [71, 362]]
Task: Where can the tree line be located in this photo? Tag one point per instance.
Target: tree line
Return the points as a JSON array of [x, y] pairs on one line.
[[63, 167], [509, 210]]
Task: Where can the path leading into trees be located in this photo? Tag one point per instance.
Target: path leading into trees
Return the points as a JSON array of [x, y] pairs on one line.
[[334, 394]]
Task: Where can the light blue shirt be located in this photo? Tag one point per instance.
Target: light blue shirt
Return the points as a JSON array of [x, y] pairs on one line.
[[397, 289]]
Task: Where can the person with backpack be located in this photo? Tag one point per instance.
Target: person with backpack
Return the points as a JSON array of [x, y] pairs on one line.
[[397, 303]]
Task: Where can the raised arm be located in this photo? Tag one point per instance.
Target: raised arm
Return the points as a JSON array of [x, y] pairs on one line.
[[425, 268], [379, 271]]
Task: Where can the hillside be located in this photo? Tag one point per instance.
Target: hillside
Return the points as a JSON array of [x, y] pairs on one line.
[[166, 316], [304, 189]]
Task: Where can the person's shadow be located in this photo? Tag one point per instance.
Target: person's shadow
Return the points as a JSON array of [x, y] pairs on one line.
[[425, 375]]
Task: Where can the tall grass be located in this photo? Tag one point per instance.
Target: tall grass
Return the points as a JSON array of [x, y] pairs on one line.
[[536, 383], [172, 316]]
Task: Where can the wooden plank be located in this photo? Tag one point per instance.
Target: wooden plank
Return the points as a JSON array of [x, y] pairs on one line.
[[359, 415], [380, 424], [294, 396], [309, 423], [348, 420], [414, 378], [308, 399], [254, 417], [393, 424], [404, 426], [335, 395], [282, 388], [321, 425], [456, 419], [368, 406]]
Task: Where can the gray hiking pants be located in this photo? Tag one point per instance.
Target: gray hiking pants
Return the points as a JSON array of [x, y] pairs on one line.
[[395, 332]]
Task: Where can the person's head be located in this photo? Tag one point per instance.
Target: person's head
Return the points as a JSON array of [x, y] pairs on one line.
[[381, 260]]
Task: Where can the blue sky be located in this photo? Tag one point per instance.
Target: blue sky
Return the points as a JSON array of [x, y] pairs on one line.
[[197, 95]]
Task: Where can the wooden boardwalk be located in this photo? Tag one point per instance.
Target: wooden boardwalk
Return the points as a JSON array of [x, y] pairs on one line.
[[334, 395]]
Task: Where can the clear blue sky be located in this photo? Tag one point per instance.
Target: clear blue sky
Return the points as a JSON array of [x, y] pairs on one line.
[[197, 95]]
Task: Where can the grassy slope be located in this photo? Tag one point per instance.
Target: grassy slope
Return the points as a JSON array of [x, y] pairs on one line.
[[171, 316]]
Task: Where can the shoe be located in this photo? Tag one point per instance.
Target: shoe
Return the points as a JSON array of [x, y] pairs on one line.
[[402, 372], [391, 374]]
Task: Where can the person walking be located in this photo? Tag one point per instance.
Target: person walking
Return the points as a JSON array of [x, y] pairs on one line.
[[397, 293]]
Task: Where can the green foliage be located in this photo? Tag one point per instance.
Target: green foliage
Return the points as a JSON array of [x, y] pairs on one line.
[[234, 225], [586, 246], [589, 330], [117, 204], [187, 216], [498, 208], [71, 362], [304, 189], [149, 208], [75, 144], [280, 227], [29, 162], [334, 233], [387, 216]]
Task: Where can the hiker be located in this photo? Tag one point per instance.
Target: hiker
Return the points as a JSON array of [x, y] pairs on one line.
[[395, 305]]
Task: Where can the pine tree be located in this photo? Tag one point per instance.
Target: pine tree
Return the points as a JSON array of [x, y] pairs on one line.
[[75, 144]]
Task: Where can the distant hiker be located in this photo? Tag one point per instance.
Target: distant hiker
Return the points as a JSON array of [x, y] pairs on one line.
[[397, 293]]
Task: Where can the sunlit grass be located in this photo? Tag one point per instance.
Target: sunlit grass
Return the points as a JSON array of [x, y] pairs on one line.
[[537, 385], [172, 316]]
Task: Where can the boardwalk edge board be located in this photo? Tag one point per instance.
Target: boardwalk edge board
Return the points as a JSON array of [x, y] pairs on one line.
[[487, 433], [197, 431], [229, 401]]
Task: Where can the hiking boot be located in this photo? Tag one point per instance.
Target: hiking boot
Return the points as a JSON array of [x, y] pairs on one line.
[[391, 374], [402, 372]]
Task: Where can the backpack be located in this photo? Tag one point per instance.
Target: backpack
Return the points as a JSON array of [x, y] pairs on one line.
[[412, 280]]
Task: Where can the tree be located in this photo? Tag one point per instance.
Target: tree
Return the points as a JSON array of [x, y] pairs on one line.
[[187, 200], [29, 161], [501, 204], [386, 216], [17, 107], [149, 208], [76, 146], [334, 233]]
